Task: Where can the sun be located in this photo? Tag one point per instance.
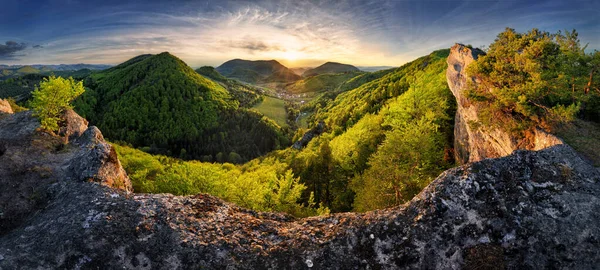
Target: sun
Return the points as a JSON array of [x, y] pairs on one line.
[[291, 55]]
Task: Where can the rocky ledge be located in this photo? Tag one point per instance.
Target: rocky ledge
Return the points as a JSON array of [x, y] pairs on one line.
[[528, 210]]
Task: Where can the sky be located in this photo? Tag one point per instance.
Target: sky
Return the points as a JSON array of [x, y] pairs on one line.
[[297, 33]]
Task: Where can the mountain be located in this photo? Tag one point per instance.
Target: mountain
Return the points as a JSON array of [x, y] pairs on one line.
[[320, 83], [374, 68], [260, 71], [158, 103], [300, 70], [245, 94], [330, 67]]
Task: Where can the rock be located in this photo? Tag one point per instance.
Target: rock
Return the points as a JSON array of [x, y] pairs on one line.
[[5, 107], [72, 125], [97, 161], [526, 210], [309, 135], [32, 160], [477, 143]]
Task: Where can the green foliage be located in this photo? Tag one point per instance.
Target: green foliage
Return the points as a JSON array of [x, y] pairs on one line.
[[54, 96], [260, 185], [320, 83], [350, 106], [330, 67], [398, 141], [245, 94], [14, 106], [20, 88], [532, 79], [158, 102], [273, 108]]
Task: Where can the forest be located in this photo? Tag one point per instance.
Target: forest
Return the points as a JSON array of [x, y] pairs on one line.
[[387, 134]]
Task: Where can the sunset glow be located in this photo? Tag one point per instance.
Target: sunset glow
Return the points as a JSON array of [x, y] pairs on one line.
[[303, 33]]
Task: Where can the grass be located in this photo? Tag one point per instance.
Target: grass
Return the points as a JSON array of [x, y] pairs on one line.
[[273, 108], [303, 123], [584, 137]]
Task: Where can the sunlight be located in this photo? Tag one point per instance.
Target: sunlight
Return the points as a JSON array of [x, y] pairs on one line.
[[291, 55]]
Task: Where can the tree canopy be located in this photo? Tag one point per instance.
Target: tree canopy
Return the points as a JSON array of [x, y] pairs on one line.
[[534, 79]]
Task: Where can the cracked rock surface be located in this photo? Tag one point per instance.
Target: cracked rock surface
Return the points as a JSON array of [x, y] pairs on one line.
[[529, 210]]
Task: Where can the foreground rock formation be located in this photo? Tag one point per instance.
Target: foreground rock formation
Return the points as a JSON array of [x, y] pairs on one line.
[[529, 210], [474, 144], [32, 161]]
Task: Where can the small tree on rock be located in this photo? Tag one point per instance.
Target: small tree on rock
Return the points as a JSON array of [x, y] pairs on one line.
[[52, 97]]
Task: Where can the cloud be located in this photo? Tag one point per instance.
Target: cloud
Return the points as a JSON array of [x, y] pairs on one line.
[[252, 46], [37, 46], [9, 50]]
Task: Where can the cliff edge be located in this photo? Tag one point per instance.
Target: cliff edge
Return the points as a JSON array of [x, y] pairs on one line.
[[528, 210], [474, 142]]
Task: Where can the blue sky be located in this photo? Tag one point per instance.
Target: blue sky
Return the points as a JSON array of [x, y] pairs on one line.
[[298, 33]]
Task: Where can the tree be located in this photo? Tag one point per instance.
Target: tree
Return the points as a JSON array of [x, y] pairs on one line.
[[531, 79], [52, 97]]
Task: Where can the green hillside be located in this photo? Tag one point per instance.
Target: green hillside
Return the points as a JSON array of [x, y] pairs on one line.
[[384, 141], [27, 70], [260, 71], [320, 83], [273, 108], [245, 94], [330, 67], [162, 105]]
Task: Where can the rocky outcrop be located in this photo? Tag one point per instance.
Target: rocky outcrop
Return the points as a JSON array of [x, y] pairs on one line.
[[31, 161], [309, 135], [472, 141], [528, 210], [71, 125], [5, 107], [97, 161]]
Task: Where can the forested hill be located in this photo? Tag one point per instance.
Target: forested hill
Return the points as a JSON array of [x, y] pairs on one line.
[[260, 71], [330, 67], [384, 140], [159, 103]]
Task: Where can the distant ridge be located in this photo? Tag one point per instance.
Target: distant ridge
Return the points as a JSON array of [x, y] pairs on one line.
[[259, 71], [330, 67]]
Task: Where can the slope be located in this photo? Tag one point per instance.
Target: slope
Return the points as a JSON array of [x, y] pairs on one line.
[[320, 83], [260, 71], [159, 103], [330, 67]]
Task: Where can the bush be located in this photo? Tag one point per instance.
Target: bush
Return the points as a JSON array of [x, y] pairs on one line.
[[52, 97]]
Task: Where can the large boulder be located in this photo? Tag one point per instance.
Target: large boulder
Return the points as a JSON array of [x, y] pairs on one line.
[[473, 141], [97, 161], [71, 125]]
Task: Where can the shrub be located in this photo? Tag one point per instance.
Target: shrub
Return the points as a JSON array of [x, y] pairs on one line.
[[52, 97]]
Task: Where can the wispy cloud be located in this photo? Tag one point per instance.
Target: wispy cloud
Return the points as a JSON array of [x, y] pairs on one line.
[[376, 32]]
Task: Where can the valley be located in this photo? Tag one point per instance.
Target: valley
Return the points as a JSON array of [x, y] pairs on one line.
[[269, 134]]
